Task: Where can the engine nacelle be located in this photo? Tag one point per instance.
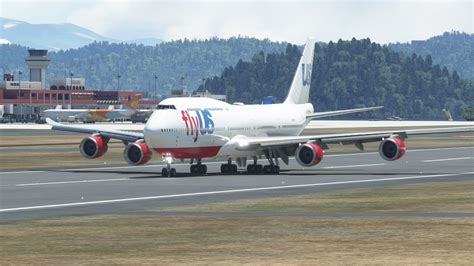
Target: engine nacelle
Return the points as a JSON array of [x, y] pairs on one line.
[[93, 147], [392, 149], [137, 153], [309, 154]]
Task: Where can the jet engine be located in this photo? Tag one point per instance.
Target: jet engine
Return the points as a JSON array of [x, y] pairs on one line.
[[392, 149], [93, 147], [309, 154], [137, 153]]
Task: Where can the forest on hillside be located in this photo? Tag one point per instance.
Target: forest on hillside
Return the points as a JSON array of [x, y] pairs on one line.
[[351, 74], [455, 50], [101, 62]]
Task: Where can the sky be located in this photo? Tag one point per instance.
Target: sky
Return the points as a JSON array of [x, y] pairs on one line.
[[293, 21]]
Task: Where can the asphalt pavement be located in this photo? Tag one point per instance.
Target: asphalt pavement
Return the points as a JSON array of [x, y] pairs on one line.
[[134, 190]]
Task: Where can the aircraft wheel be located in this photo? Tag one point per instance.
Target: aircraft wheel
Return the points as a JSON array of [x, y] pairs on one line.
[[172, 172], [194, 169], [234, 168], [251, 169], [164, 172], [225, 168], [258, 168], [198, 169], [271, 169], [267, 169], [276, 169]]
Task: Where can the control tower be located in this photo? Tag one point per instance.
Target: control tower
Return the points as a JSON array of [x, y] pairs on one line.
[[37, 62]]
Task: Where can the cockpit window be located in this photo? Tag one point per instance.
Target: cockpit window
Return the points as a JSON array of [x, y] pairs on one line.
[[164, 106]]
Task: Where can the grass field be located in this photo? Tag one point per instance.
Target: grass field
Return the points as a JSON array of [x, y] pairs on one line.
[[159, 238]]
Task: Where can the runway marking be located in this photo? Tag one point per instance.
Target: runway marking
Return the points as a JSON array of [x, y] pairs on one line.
[[353, 166], [23, 172], [181, 164], [447, 159], [74, 204], [71, 182]]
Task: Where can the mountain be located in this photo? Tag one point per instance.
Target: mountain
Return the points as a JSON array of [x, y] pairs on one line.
[[455, 50], [55, 37], [101, 62], [47, 36], [351, 74]]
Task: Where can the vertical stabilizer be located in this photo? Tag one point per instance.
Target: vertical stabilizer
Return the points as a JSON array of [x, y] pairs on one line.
[[133, 103], [299, 90]]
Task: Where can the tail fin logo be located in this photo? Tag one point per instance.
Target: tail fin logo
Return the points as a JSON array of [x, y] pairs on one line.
[[306, 73], [134, 102]]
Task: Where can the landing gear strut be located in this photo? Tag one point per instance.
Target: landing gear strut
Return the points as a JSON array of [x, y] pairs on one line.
[[254, 168], [228, 168], [199, 168], [273, 167]]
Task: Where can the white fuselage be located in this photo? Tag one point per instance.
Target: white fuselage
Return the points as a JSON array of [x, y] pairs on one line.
[[204, 127]]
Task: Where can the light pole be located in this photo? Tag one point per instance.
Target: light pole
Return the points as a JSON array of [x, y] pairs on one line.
[[70, 81], [154, 96], [118, 87], [19, 94], [118, 82], [203, 86], [19, 78]]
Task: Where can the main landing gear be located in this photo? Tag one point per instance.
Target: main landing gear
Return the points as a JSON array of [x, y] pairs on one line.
[[199, 168], [228, 168], [271, 169], [254, 168]]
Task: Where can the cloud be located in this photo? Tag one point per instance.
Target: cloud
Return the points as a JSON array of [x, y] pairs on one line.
[[294, 21]]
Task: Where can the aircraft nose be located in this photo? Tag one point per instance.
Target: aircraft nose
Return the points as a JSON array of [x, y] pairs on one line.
[[151, 133]]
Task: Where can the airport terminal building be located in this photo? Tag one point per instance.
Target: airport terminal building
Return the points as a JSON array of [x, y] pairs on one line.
[[25, 100]]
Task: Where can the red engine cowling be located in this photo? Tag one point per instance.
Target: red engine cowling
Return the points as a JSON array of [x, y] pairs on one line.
[[137, 153], [309, 154], [392, 149], [93, 147]]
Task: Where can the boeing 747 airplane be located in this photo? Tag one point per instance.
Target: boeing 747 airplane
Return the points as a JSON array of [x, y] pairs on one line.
[[197, 128]]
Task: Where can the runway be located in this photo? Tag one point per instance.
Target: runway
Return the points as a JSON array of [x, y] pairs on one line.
[[129, 190]]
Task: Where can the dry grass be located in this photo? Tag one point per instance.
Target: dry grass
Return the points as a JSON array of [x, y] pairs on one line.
[[148, 239], [432, 197], [138, 239]]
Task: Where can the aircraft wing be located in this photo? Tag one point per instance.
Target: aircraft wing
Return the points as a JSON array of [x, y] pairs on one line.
[[108, 133], [252, 143], [341, 112]]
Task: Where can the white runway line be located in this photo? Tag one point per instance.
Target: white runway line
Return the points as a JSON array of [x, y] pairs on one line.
[[447, 159], [353, 166], [73, 204], [71, 182]]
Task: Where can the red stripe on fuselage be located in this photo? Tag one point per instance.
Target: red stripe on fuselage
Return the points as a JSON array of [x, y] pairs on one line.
[[190, 152]]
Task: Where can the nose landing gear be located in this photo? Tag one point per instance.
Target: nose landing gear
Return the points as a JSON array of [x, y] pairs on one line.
[[168, 171]]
